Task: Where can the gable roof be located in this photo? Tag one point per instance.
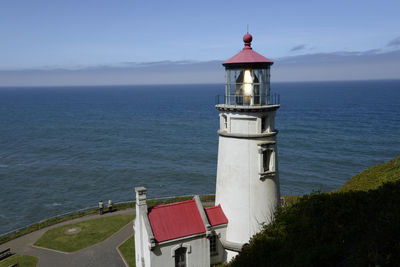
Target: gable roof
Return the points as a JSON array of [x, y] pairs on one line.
[[216, 215], [175, 220]]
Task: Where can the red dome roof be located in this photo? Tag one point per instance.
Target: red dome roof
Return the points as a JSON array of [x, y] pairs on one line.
[[247, 56]]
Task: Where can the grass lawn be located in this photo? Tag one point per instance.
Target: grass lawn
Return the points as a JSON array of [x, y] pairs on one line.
[[128, 251], [91, 232], [22, 260]]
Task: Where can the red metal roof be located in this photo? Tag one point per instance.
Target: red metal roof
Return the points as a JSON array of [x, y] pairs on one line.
[[247, 55], [216, 215], [175, 220]]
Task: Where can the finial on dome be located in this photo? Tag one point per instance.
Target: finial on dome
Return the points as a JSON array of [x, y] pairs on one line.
[[247, 38]]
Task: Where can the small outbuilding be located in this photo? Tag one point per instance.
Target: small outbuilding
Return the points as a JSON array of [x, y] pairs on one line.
[[178, 234]]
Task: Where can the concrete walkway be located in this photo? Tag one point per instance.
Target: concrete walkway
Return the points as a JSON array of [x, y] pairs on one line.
[[101, 254]]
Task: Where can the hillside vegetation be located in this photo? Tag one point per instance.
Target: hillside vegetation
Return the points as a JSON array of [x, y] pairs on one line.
[[358, 225], [374, 177]]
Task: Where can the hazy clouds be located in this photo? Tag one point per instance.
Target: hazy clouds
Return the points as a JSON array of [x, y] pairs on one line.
[[395, 42], [298, 47], [367, 65]]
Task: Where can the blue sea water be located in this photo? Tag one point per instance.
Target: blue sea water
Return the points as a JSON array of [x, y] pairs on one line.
[[66, 148]]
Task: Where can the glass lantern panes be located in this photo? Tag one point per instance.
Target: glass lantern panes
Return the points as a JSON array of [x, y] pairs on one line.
[[249, 87]]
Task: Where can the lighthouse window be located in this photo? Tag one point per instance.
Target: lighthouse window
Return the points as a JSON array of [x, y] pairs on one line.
[[266, 159], [264, 124], [224, 123]]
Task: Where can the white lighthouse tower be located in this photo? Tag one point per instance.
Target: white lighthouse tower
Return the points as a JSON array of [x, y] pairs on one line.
[[247, 172]]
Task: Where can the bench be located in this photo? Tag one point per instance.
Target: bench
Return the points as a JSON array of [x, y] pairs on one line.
[[5, 254]]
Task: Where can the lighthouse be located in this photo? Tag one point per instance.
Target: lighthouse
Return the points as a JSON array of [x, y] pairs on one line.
[[247, 185]]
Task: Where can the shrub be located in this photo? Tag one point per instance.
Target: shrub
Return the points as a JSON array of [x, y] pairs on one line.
[[357, 228]]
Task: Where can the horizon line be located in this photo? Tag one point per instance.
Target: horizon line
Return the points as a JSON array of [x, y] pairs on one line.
[[182, 84]]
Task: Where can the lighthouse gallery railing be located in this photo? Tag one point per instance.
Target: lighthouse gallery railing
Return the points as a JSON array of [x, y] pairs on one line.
[[248, 100]]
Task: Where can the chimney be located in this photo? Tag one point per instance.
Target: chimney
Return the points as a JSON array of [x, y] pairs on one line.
[[140, 195]]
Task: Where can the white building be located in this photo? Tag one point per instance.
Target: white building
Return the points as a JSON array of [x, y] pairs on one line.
[[178, 234], [247, 192], [247, 172]]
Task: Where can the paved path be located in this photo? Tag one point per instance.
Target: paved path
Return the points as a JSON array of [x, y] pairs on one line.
[[101, 254]]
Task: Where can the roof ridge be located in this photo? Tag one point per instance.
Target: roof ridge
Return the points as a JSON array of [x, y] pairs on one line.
[[212, 207], [173, 203]]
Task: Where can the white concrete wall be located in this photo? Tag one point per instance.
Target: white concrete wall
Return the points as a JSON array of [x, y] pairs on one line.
[[243, 125], [246, 123], [247, 200], [221, 256], [138, 241], [142, 245], [197, 255], [138, 238]]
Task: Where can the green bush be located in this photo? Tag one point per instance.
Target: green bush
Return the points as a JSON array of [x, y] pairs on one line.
[[357, 228]]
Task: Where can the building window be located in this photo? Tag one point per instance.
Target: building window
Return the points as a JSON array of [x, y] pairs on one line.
[[224, 123], [180, 257], [213, 245], [266, 159]]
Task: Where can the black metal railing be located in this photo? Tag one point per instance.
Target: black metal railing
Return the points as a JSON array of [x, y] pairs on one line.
[[248, 100]]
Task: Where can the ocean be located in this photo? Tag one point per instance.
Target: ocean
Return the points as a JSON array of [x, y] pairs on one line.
[[66, 148]]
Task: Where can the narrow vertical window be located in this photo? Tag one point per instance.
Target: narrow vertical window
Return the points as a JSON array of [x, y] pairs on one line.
[[266, 159], [180, 257], [224, 123], [264, 124]]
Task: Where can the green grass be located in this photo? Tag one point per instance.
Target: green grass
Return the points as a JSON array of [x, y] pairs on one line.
[[116, 206], [92, 232], [128, 251], [22, 260], [46, 223], [374, 177]]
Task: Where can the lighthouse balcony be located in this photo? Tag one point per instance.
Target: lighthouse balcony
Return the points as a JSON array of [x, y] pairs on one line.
[[247, 101]]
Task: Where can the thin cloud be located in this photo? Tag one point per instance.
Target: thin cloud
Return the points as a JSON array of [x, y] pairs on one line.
[[341, 65], [298, 47], [395, 42]]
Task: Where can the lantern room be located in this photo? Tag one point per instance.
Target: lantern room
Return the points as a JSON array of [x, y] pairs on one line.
[[247, 77]]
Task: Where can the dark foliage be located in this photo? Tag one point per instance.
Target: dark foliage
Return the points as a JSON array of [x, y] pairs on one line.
[[357, 228]]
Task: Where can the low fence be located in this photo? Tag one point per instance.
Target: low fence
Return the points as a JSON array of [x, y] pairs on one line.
[[82, 210]]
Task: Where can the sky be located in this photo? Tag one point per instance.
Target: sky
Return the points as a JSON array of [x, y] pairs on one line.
[[78, 37]]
